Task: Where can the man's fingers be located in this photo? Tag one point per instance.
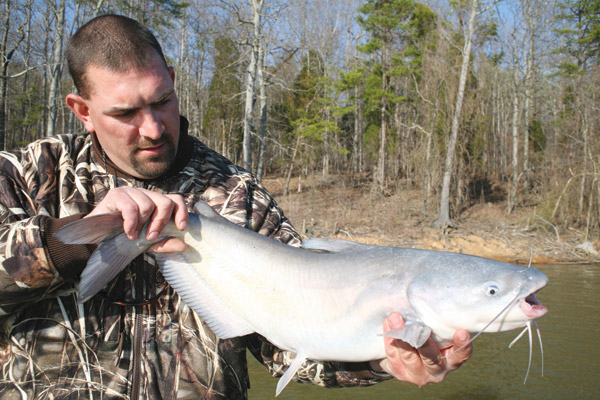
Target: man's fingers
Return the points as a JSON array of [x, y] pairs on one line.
[[137, 206], [408, 353], [121, 200], [146, 206], [457, 358], [180, 213], [435, 365], [163, 209], [403, 361], [171, 245], [430, 355], [130, 213]]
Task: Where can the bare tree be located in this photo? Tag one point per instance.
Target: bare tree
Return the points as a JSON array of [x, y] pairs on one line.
[[56, 68], [7, 50], [256, 17], [443, 220], [262, 96]]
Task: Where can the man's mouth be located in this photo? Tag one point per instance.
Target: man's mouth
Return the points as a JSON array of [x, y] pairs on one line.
[[151, 150]]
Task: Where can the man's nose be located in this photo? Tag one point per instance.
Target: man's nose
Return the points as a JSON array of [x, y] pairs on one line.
[[151, 126]]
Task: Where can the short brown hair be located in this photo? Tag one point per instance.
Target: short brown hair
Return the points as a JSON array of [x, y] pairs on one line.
[[110, 41]]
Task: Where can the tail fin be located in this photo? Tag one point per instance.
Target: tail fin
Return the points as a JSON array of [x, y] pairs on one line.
[[113, 254]]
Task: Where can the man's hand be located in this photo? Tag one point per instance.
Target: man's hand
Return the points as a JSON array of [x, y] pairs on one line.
[[421, 366], [137, 206]]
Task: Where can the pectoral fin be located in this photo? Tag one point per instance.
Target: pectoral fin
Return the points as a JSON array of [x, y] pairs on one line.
[[113, 254], [109, 259], [413, 332], [289, 374]]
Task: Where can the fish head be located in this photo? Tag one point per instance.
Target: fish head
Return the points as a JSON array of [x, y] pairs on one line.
[[476, 294]]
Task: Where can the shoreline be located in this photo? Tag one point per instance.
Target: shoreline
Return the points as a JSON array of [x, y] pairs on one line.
[[335, 209]]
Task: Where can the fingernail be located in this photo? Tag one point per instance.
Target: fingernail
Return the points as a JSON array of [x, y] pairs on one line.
[[152, 235], [463, 336], [395, 318], [182, 225]]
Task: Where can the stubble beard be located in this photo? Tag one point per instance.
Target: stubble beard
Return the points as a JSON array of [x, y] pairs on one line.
[[155, 166]]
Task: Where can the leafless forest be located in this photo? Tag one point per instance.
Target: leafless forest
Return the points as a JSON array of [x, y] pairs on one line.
[[464, 100]]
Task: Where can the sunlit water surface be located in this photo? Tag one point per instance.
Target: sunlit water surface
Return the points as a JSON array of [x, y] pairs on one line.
[[570, 333]]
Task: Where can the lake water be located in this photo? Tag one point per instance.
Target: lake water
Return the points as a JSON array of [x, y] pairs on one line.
[[570, 332]]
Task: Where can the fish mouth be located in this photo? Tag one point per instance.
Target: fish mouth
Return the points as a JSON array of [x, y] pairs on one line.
[[531, 306]]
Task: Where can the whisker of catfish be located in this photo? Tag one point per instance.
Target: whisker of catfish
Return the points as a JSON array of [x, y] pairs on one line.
[[537, 328], [519, 336], [530, 351], [510, 304], [539, 334]]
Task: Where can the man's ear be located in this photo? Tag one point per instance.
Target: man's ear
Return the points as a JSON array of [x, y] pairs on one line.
[[172, 73], [79, 106]]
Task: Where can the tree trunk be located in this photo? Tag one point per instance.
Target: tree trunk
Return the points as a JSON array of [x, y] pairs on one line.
[[288, 177], [532, 27], [512, 196], [224, 144], [383, 112], [326, 153], [262, 95], [56, 70], [443, 220], [357, 138], [527, 118], [5, 60], [256, 6], [584, 157], [250, 90]]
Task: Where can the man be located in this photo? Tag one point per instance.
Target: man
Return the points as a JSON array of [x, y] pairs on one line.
[[136, 339]]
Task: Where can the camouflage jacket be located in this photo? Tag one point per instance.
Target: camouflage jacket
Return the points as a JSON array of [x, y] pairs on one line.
[[135, 339]]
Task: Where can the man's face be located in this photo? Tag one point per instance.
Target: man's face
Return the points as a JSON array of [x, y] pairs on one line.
[[135, 115]]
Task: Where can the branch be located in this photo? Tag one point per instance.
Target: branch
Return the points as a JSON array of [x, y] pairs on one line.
[[483, 11], [419, 93], [417, 127], [17, 74], [450, 42]]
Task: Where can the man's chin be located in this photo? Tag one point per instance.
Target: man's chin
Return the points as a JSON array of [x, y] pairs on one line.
[[154, 166], [152, 169]]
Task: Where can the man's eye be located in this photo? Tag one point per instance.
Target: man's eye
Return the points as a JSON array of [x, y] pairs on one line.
[[163, 102], [124, 114]]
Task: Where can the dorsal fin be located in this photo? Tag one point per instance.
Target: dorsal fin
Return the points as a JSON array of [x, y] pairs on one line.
[[205, 210]]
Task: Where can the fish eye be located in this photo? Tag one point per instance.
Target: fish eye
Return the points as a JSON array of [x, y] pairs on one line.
[[491, 288]]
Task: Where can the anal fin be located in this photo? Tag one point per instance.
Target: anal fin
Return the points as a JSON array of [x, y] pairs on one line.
[[289, 374]]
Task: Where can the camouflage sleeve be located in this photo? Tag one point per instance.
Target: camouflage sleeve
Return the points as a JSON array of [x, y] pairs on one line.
[[247, 203], [27, 203]]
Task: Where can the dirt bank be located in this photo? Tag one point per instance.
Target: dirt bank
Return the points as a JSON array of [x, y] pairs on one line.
[[335, 209]]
